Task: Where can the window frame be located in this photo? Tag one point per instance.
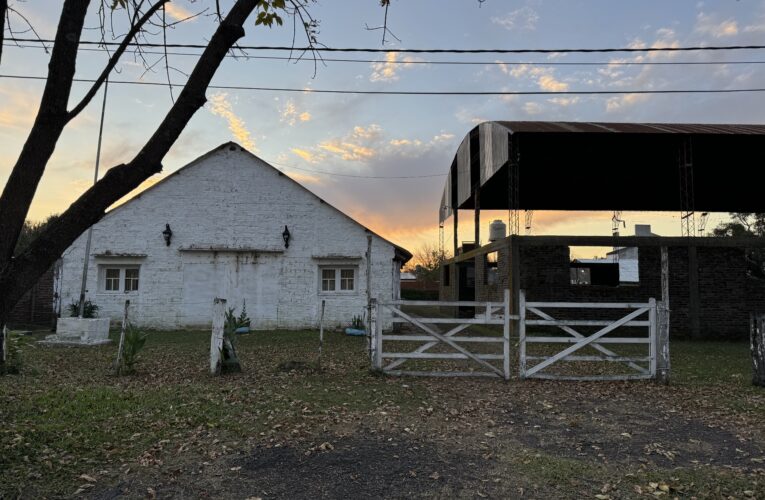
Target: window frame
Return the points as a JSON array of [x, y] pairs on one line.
[[122, 278], [338, 280]]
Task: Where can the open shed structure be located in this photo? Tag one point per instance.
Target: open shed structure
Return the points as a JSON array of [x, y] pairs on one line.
[[526, 166]]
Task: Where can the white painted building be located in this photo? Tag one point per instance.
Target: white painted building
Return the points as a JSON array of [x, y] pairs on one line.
[[229, 213]]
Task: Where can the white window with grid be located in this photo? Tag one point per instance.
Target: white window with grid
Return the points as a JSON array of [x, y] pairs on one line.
[[338, 279], [119, 278]]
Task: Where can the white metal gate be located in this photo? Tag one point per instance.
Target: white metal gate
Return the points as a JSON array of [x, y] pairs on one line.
[[642, 315], [650, 319], [429, 335]]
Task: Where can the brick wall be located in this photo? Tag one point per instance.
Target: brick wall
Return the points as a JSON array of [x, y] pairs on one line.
[[230, 199], [36, 306], [727, 295]]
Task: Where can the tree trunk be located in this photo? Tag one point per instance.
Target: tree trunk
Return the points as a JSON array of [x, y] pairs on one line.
[[21, 273], [3, 10]]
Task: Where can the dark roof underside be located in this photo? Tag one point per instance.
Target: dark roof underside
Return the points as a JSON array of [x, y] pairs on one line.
[[613, 166]]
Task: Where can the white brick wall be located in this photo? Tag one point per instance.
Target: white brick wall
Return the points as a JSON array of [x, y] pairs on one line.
[[230, 199]]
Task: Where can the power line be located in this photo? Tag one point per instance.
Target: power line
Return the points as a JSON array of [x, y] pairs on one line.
[[417, 51], [418, 92], [425, 62], [325, 172]]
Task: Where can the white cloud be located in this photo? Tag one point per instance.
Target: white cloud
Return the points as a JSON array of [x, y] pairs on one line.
[[532, 108], [544, 76], [290, 114], [388, 71], [564, 101], [708, 24], [523, 19], [619, 103]]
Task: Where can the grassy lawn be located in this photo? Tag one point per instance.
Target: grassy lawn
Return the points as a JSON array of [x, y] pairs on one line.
[[70, 428]]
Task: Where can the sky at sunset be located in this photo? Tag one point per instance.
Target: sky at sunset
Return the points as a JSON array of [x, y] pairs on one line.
[[311, 136]]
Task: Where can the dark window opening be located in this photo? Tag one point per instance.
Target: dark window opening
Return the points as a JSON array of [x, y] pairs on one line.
[[491, 268]]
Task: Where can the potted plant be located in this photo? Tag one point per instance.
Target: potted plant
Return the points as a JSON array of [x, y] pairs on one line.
[[357, 327]]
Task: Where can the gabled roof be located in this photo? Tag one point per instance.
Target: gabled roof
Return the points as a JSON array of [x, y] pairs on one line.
[[401, 254]]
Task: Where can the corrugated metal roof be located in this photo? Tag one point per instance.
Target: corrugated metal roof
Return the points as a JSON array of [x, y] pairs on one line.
[[607, 166], [631, 128]]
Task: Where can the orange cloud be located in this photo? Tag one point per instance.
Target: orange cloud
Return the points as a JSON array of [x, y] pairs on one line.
[[176, 12], [305, 155], [219, 106]]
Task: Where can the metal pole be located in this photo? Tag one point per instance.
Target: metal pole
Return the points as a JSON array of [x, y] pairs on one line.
[[86, 260], [321, 331]]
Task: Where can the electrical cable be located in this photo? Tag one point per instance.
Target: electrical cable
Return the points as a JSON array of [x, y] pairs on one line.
[[416, 92]]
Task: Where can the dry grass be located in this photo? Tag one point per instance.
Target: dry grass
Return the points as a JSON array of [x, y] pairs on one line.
[[70, 427]]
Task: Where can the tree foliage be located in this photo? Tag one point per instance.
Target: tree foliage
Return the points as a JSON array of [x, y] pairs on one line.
[[426, 263], [746, 225]]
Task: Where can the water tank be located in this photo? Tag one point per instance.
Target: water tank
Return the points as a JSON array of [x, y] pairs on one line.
[[497, 230]]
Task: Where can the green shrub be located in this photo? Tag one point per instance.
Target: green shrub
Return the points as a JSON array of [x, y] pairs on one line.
[[13, 360], [135, 339], [89, 311], [357, 322]]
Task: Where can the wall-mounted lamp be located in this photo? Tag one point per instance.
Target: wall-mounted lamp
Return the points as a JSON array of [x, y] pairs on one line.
[[286, 237], [168, 234]]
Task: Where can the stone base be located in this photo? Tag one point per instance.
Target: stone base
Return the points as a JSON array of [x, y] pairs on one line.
[[80, 331]]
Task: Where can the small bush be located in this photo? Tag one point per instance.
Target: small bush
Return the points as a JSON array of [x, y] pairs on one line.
[[13, 359], [357, 322], [135, 339], [89, 311]]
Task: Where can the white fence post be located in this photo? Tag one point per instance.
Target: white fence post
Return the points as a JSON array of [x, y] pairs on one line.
[[372, 331], [118, 361], [378, 335], [506, 335], [663, 363], [216, 339], [652, 336], [522, 334]]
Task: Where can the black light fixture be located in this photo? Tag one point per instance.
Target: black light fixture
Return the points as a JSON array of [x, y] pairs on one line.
[[286, 237], [168, 234]]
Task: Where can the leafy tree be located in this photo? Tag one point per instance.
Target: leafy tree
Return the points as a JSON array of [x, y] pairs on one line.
[[426, 263], [743, 225], [134, 21], [31, 230]]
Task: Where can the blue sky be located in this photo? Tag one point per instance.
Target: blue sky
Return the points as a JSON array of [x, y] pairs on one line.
[[395, 135]]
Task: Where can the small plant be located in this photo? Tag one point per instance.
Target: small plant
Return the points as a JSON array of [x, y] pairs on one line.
[[357, 322], [233, 321], [229, 358], [89, 311], [13, 361], [135, 339]]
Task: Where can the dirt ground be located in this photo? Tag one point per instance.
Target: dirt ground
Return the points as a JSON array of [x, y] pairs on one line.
[[346, 433]]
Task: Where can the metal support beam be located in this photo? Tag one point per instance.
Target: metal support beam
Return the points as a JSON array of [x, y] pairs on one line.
[[456, 231], [694, 299], [477, 215], [687, 195], [513, 192]]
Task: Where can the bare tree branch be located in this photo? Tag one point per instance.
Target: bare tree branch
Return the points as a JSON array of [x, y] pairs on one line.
[[134, 30], [3, 12], [46, 130], [23, 271], [384, 27], [167, 61]]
